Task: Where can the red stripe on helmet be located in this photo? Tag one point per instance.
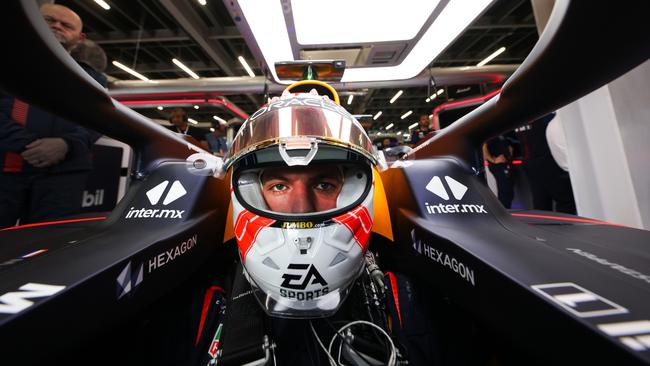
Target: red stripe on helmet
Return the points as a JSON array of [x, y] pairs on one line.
[[247, 227], [359, 222]]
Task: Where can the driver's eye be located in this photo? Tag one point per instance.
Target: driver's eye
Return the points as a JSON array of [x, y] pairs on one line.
[[278, 187], [324, 186]]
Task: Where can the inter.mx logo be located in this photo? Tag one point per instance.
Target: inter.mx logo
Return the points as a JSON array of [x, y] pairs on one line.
[[457, 190], [155, 195]]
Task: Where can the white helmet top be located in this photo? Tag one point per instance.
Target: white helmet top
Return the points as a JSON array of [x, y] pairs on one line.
[[302, 194]]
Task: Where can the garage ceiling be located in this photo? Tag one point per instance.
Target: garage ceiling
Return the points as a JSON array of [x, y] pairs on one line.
[[146, 34]]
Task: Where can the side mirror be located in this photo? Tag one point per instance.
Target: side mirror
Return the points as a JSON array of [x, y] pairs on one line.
[[206, 164]]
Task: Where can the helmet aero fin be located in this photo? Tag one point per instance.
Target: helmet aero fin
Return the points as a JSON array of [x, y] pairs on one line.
[[308, 144]]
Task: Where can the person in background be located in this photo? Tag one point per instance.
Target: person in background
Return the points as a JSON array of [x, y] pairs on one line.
[[385, 144], [498, 153], [44, 160], [180, 124], [217, 140], [549, 183], [423, 129], [92, 58]]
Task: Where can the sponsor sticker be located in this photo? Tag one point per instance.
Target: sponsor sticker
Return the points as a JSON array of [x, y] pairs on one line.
[[214, 345], [92, 199], [444, 259], [298, 225], [131, 276], [16, 301], [457, 191], [615, 266], [296, 280], [160, 195], [634, 334], [578, 300]]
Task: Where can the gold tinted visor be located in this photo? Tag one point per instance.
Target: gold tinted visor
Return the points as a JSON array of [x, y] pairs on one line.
[[299, 117]]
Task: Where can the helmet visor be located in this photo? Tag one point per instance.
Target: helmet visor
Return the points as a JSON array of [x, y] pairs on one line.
[[300, 116], [290, 192]]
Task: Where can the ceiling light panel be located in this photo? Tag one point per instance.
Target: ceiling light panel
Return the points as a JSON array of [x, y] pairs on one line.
[[453, 19], [405, 21], [267, 25], [266, 21]]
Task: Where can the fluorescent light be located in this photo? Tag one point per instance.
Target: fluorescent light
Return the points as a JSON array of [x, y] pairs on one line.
[[430, 116], [268, 27], [378, 133], [377, 115], [103, 4], [394, 98], [266, 20], [132, 72], [406, 114], [413, 126], [211, 129], [246, 67], [160, 108], [427, 100], [192, 121], [185, 68], [196, 106], [493, 55], [435, 95], [221, 120], [203, 2], [399, 133], [350, 99], [389, 126]]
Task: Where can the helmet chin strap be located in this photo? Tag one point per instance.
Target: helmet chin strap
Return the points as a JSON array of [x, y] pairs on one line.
[[298, 143]]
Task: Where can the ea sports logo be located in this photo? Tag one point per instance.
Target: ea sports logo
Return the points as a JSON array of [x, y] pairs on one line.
[[294, 284], [300, 282]]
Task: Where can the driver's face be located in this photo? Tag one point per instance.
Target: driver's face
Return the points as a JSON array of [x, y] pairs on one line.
[[301, 189]]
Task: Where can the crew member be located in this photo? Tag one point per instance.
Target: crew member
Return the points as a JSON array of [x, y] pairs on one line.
[[44, 160]]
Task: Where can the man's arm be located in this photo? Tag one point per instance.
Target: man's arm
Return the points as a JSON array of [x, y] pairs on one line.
[[73, 140]]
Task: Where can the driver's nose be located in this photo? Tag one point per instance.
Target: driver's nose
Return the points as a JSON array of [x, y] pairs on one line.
[[301, 200]]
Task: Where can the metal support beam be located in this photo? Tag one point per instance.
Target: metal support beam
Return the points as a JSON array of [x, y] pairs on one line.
[[159, 35], [194, 26]]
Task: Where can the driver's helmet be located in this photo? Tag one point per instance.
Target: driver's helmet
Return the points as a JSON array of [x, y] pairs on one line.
[[302, 203]]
